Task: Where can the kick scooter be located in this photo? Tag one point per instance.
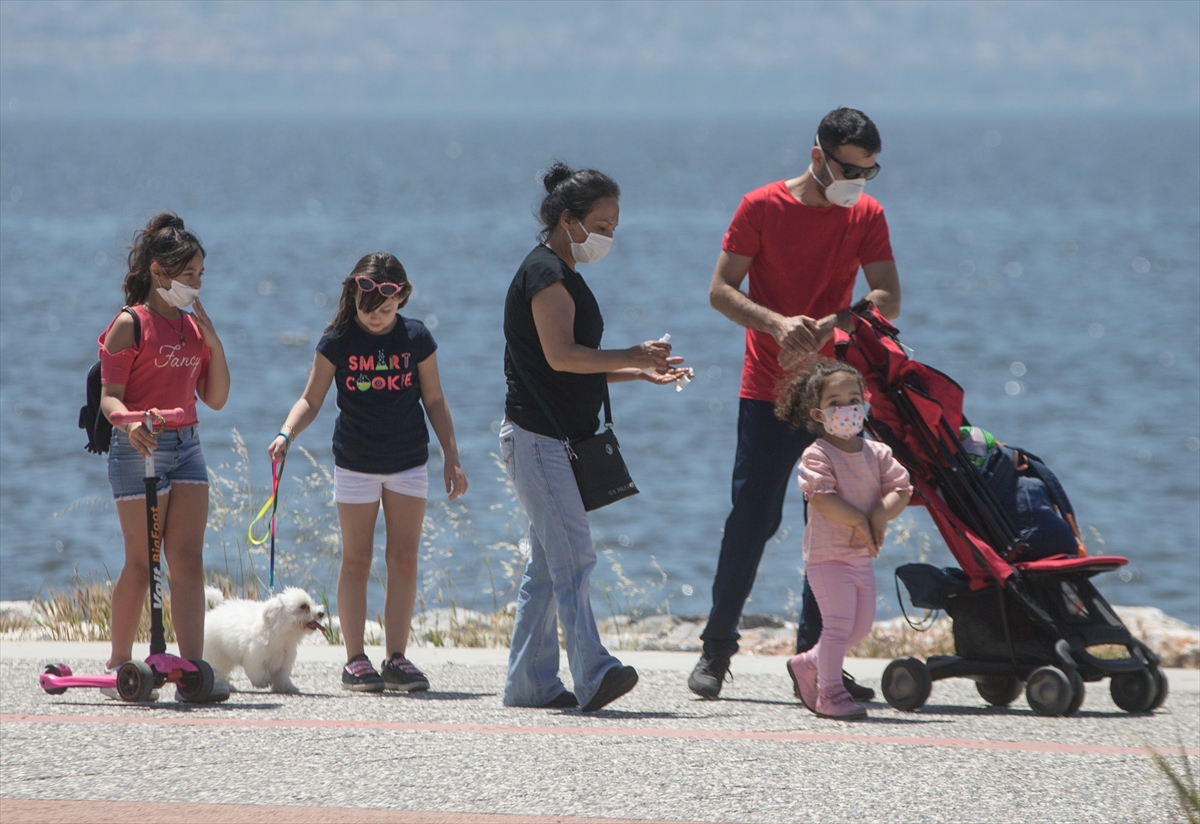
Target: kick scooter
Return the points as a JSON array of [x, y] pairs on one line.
[[136, 680]]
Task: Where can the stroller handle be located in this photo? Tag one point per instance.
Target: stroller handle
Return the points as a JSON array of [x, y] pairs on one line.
[[156, 420]]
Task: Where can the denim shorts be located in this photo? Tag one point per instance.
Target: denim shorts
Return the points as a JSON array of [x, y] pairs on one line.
[[178, 459]]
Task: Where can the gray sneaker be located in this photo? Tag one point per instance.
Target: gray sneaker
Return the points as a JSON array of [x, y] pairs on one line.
[[401, 674]]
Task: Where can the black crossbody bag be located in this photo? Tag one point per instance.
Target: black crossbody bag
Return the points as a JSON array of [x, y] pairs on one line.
[[600, 471]]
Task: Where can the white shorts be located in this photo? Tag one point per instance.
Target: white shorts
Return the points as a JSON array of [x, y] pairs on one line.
[[350, 487]]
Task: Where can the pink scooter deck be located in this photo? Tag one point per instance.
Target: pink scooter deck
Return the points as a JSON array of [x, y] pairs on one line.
[[57, 682], [169, 667]]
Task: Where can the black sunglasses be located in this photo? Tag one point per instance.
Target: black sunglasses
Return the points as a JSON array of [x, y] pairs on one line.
[[854, 172]]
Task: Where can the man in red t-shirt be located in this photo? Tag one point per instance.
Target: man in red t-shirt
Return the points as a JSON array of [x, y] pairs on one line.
[[802, 242]]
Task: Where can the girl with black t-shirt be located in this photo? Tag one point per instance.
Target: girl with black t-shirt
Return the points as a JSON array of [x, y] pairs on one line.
[[552, 331], [385, 368]]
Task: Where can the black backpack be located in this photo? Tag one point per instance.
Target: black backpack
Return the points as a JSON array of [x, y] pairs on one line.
[[98, 428]]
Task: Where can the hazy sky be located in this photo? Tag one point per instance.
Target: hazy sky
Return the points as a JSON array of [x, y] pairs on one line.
[[595, 56]]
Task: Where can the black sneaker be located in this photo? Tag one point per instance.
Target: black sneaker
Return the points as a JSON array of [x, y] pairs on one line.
[[565, 700], [709, 675], [616, 682], [360, 676], [401, 674], [857, 691]]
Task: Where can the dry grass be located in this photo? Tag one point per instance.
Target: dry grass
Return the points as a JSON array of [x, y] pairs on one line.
[[895, 638], [1183, 781], [84, 612]]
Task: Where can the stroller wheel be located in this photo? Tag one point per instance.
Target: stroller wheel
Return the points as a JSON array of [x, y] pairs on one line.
[[1160, 681], [1049, 691], [906, 684], [999, 690], [1078, 691], [135, 681], [1133, 691]]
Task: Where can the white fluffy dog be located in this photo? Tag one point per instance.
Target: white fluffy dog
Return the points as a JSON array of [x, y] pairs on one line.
[[259, 636]]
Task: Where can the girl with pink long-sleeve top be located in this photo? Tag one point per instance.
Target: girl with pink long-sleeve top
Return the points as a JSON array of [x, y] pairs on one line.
[[853, 487]]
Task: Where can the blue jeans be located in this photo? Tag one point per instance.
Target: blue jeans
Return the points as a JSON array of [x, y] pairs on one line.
[[555, 584], [763, 468]]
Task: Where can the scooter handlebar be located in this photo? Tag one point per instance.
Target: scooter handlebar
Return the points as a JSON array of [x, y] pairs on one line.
[[155, 419]]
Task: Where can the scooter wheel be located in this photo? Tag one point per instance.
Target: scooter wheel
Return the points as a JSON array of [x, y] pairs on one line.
[[135, 681], [59, 670], [197, 686]]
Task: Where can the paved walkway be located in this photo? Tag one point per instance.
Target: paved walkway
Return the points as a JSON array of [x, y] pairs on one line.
[[455, 755]]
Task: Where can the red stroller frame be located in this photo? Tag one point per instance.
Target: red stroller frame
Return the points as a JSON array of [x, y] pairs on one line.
[[1018, 622]]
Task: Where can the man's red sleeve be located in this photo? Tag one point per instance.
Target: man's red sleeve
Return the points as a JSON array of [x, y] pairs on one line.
[[744, 236], [877, 243]]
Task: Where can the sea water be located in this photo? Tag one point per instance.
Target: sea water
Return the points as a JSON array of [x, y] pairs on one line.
[[1049, 263]]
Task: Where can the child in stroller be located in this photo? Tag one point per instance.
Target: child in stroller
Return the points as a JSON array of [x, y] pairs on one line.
[[1024, 610]]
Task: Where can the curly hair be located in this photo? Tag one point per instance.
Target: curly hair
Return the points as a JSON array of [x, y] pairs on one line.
[[800, 391]]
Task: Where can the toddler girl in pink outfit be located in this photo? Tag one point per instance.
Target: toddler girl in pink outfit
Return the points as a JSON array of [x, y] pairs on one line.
[[853, 487]]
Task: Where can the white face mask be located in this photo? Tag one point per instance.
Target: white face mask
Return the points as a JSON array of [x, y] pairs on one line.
[[844, 421], [180, 295], [594, 246], [844, 193]]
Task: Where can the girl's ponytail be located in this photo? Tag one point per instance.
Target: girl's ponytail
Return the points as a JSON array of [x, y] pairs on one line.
[[164, 241]]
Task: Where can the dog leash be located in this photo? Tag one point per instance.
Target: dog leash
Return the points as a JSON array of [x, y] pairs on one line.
[[271, 504]]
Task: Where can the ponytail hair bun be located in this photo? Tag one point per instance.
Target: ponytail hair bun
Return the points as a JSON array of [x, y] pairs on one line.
[[164, 241], [572, 190], [163, 220], [558, 173]]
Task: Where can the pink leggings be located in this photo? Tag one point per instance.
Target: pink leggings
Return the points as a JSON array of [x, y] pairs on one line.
[[845, 592]]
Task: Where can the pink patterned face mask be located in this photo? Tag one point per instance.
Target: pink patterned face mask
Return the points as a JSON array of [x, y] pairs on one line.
[[844, 421]]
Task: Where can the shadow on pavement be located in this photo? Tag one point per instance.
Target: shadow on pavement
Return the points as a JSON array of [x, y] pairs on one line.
[[767, 701], [437, 696], [165, 705], [901, 721], [949, 709], [632, 715]]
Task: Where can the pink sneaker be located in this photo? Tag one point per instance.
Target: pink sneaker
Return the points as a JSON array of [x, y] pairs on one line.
[[835, 702], [803, 671]]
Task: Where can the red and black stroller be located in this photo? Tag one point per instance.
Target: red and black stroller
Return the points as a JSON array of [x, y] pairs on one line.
[[1020, 621]]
